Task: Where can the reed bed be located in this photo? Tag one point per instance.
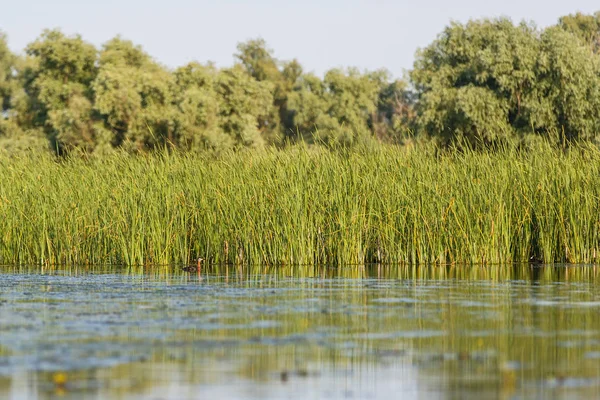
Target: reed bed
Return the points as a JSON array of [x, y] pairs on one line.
[[303, 206]]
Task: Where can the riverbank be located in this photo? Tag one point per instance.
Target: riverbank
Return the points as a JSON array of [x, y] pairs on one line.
[[304, 205]]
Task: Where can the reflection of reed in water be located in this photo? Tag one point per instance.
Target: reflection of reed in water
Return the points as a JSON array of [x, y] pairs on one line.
[[493, 273], [217, 272], [474, 330]]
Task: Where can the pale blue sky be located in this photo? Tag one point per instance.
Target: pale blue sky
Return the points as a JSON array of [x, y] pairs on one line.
[[323, 34]]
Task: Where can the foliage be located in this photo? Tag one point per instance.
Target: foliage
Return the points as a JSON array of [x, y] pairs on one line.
[[221, 109], [7, 61], [490, 81], [474, 81], [198, 121], [15, 141], [394, 120], [133, 94], [483, 84], [586, 27], [259, 62], [339, 109], [245, 106], [304, 205], [568, 86], [57, 83]]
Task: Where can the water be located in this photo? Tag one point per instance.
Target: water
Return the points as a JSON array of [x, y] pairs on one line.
[[455, 332]]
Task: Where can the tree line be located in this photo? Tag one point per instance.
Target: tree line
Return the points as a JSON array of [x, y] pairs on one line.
[[483, 83]]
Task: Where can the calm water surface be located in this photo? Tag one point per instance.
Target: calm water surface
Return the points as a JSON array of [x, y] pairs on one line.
[[376, 333]]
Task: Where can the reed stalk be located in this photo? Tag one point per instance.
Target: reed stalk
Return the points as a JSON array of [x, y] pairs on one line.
[[304, 205]]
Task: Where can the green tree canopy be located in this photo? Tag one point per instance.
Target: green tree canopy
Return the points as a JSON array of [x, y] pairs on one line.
[[568, 88], [221, 109], [259, 62], [395, 118], [489, 81], [338, 109], [57, 82], [7, 64], [246, 106], [133, 94], [482, 83], [198, 122], [586, 27]]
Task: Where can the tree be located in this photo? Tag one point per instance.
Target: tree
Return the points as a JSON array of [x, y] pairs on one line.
[[339, 109], [395, 118], [490, 81], [198, 121], [585, 27], [7, 61], [246, 104], [291, 74], [14, 139], [259, 62], [568, 88], [474, 81], [57, 88], [220, 109], [133, 94]]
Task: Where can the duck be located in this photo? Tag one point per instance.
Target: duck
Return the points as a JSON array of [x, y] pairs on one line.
[[194, 268]]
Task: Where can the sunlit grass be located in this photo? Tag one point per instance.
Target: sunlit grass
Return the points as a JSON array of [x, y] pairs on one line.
[[303, 206]]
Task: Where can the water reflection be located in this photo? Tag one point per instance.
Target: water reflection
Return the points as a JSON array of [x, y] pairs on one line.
[[363, 332]]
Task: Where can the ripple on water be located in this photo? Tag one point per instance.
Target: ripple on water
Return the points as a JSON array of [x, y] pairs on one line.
[[445, 338]]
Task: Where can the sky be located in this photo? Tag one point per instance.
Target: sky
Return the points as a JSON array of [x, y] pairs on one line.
[[321, 34]]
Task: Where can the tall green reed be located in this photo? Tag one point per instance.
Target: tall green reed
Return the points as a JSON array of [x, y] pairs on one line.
[[304, 205]]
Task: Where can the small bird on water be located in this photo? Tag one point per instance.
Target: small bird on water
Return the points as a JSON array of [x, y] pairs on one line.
[[194, 268]]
